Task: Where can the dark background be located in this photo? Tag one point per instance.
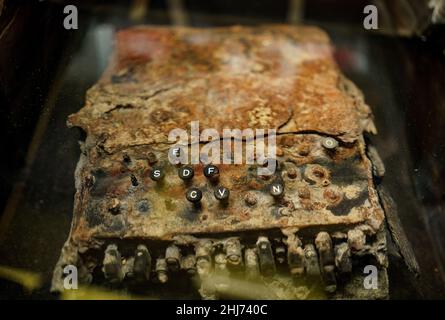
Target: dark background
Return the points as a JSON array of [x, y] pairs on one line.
[[45, 71]]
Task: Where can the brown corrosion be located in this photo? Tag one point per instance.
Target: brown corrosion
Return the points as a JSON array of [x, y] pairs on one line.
[[110, 204], [271, 77]]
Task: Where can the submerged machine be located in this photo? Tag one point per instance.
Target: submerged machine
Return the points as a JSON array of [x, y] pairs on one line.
[[309, 229]]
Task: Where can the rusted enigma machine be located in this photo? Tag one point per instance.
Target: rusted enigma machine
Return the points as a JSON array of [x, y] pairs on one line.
[[141, 220]]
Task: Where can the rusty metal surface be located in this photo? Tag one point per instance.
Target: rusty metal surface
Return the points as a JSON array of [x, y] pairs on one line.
[[274, 77], [321, 189], [271, 77]]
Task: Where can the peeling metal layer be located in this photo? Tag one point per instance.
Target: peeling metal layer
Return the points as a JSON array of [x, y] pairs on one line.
[[270, 77], [321, 189]]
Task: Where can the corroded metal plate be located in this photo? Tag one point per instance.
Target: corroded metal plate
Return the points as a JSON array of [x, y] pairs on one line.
[[271, 77], [321, 188]]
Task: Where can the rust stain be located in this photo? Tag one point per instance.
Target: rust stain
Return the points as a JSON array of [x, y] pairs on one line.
[[269, 77]]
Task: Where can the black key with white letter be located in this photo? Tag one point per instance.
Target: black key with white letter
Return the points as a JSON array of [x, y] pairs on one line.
[[222, 194], [186, 173], [276, 189], [156, 174], [194, 195], [211, 172]]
